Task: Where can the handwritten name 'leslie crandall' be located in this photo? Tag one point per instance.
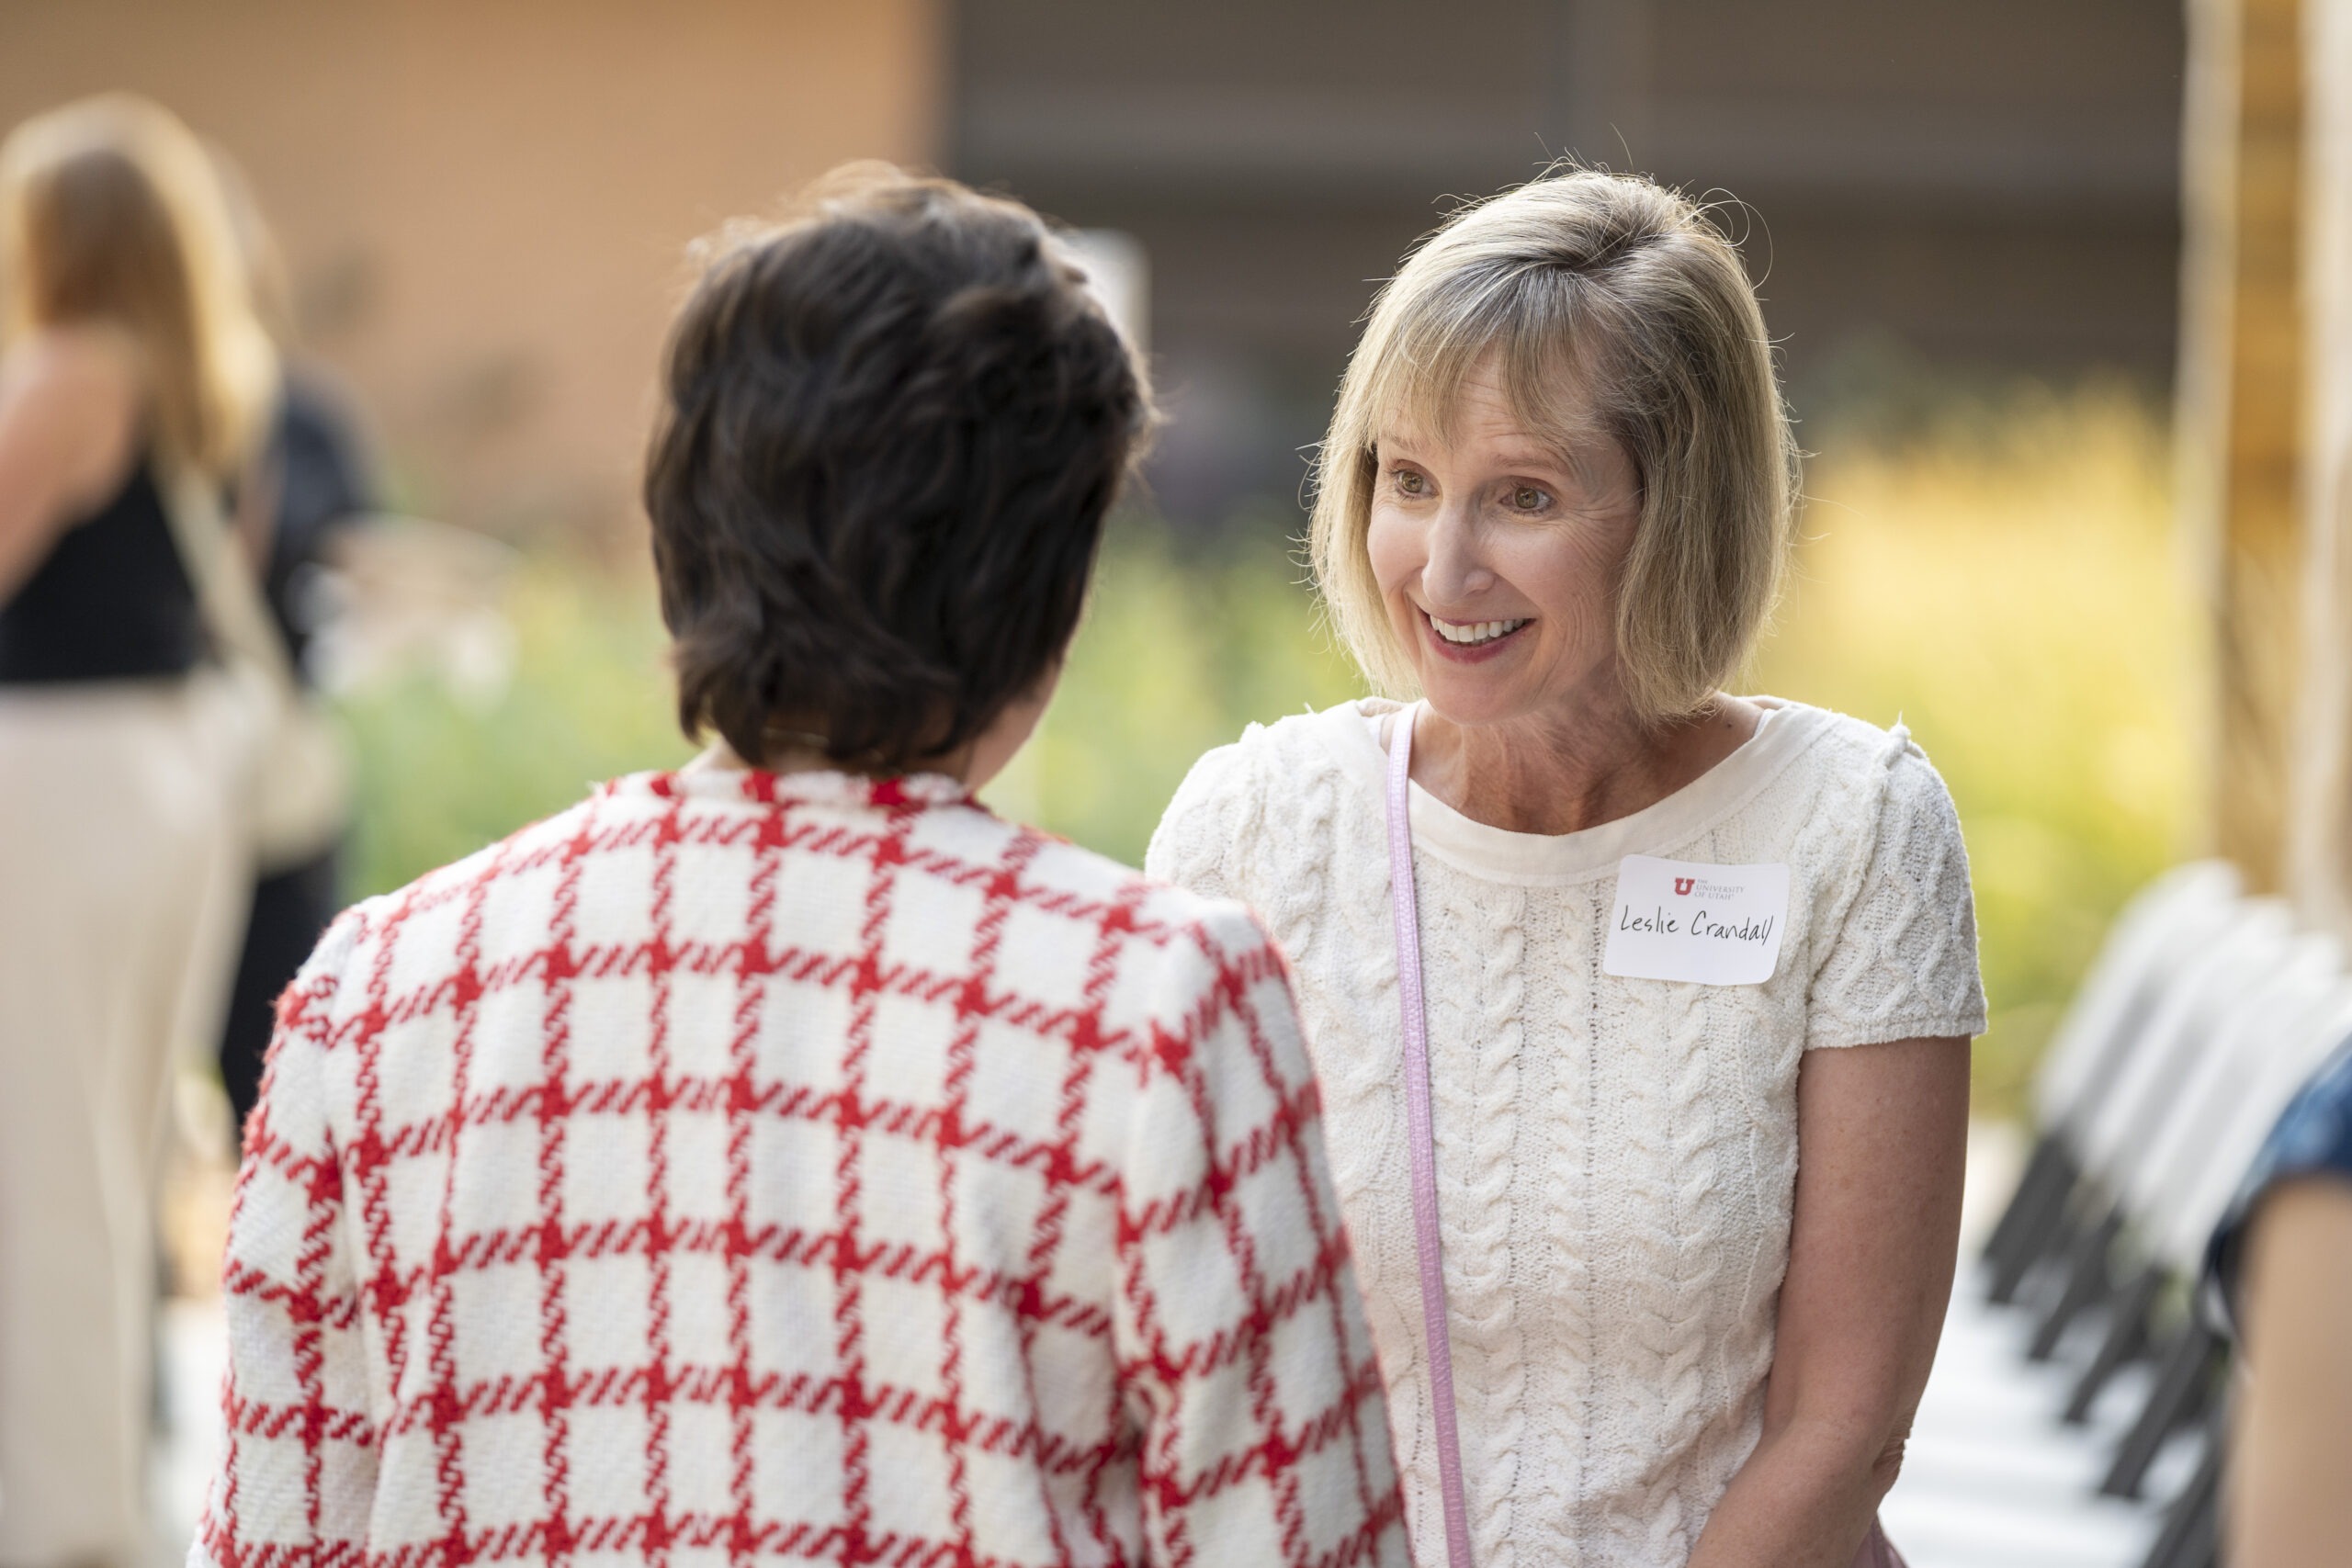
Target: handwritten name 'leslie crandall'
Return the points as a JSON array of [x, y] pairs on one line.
[[1698, 923]]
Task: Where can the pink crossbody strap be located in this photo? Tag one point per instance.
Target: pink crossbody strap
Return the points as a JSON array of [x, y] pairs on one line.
[[1420, 1131]]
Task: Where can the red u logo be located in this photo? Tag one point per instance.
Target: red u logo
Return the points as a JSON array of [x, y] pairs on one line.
[[1682, 885]]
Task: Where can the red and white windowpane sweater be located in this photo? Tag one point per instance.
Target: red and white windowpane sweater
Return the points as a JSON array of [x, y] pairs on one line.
[[741, 1168]]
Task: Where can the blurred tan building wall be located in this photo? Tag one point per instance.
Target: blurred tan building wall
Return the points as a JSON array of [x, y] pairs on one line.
[[484, 204]]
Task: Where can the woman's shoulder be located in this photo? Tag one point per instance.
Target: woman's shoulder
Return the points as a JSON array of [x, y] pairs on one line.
[[1895, 956], [100, 361], [1317, 739], [76, 393], [1866, 810], [1840, 742], [86, 378], [498, 896], [1881, 775], [1273, 773]]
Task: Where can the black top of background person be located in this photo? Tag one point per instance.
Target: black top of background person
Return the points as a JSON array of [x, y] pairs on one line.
[[325, 486], [112, 602]]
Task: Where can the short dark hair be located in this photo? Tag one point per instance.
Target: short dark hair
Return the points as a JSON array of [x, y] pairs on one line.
[[892, 426]]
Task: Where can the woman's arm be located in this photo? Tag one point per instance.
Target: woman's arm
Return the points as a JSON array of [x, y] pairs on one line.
[[1881, 1135], [1238, 1330], [2288, 1502], [69, 408], [296, 1482]]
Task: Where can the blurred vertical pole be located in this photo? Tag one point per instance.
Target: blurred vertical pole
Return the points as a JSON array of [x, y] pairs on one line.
[[2241, 409], [2319, 839]]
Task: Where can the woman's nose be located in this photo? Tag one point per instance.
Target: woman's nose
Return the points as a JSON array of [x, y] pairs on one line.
[[1453, 572]]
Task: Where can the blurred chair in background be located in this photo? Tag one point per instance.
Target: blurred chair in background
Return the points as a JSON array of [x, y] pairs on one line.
[[317, 479], [2078, 1417], [135, 378], [2281, 1269]]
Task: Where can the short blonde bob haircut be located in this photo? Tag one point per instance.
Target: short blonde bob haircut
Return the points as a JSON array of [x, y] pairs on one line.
[[111, 214], [1614, 284]]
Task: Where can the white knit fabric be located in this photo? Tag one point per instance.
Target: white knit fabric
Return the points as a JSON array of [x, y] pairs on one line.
[[1616, 1157]]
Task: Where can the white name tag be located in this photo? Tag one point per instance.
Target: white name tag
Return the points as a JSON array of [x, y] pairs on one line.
[[1715, 925]]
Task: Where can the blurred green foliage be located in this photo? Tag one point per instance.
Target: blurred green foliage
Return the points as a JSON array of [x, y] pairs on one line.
[[1180, 649], [443, 771], [2010, 586], [2004, 583]]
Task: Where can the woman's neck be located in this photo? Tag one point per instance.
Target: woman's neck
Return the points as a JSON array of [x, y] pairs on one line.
[[1563, 771]]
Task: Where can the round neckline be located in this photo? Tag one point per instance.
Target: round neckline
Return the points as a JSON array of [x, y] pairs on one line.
[[1499, 854]]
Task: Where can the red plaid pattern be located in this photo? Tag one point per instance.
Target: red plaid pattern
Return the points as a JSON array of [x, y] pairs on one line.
[[738, 1167]]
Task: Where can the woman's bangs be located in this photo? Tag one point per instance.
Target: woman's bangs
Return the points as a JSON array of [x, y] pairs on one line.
[[1417, 385], [1514, 327]]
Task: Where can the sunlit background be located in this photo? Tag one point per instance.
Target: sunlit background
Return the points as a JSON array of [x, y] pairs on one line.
[[1965, 213]]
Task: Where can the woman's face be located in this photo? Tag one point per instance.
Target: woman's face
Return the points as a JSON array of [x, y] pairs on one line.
[[1497, 558]]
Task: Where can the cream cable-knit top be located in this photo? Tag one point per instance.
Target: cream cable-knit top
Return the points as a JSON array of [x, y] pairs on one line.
[[1616, 1157]]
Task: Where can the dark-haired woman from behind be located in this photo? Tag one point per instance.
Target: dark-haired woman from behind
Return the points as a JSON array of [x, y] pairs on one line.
[[130, 368], [784, 1156]]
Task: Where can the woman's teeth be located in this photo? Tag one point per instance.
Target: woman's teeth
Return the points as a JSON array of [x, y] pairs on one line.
[[1469, 632]]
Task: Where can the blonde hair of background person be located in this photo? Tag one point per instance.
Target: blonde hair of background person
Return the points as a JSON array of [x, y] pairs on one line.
[[1698, 1239], [112, 219], [129, 354]]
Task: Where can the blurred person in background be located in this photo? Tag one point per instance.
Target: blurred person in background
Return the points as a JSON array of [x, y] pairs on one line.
[[785, 1155], [133, 368], [1700, 970], [313, 487], [2281, 1271]]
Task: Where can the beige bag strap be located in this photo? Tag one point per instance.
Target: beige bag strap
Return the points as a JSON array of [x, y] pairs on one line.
[[228, 590], [300, 797]]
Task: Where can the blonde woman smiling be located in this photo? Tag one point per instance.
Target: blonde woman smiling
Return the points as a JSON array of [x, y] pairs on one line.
[[1667, 1019]]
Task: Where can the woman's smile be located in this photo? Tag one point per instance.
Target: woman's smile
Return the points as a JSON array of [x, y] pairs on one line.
[[1472, 642]]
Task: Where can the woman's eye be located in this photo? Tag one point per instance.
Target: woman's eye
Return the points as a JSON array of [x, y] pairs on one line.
[[1410, 483], [1527, 498]]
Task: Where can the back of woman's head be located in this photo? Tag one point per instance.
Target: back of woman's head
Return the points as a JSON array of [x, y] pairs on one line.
[[892, 426], [111, 215]]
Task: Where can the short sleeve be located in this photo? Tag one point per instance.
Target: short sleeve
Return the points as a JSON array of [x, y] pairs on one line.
[[1904, 964], [2311, 1137]]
